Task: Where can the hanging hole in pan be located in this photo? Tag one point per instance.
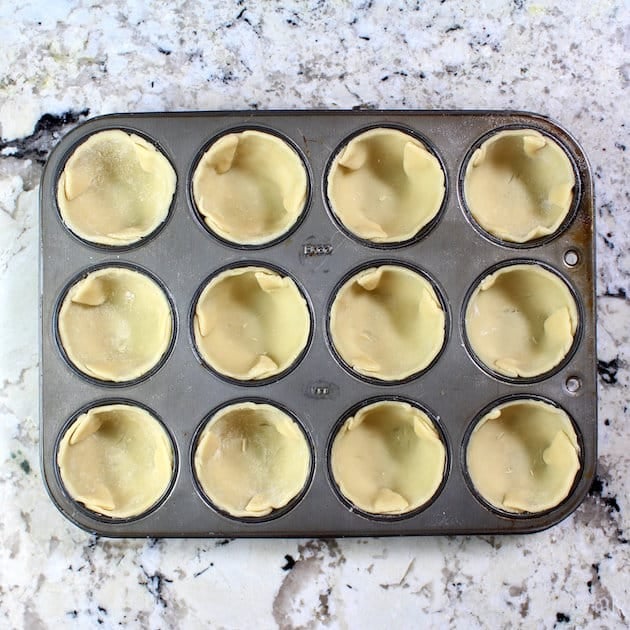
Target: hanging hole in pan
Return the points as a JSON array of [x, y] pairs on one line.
[[571, 258], [573, 384]]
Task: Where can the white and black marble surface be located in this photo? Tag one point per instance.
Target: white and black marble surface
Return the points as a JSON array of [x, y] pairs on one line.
[[64, 61]]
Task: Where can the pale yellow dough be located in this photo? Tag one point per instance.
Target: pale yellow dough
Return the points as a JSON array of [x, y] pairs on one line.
[[252, 459], [115, 324], [387, 322], [388, 458], [384, 186], [523, 456], [115, 189], [250, 187], [251, 323], [117, 460], [521, 320], [519, 185]]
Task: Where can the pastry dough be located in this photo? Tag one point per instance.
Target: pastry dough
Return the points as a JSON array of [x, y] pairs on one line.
[[519, 185], [252, 459], [117, 460], [521, 320], [388, 458], [250, 187], [115, 189], [115, 324], [523, 456], [387, 323], [251, 323], [384, 186]]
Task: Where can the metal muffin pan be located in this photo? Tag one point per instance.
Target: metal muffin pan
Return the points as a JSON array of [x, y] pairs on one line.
[[319, 391]]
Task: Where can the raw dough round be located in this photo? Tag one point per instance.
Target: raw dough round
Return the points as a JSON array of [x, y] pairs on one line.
[[388, 458], [251, 459], [250, 187], [115, 324], [115, 189], [523, 456], [251, 323], [519, 185], [116, 459], [387, 322], [384, 186], [521, 320]]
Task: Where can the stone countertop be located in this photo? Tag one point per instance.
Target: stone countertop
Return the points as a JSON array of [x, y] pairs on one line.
[[65, 61]]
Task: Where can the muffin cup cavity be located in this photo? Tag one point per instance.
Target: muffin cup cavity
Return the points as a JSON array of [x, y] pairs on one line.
[[252, 460], [115, 324], [387, 458], [250, 187], [521, 321], [250, 323], [116, 460], [116, 189], [519, 186], [385, 186], [522, 456], [387, 322]]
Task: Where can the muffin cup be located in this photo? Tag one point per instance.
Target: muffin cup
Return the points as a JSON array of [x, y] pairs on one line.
[[514, 477], [70, 356], [214, 200], [385, 225], [239, 432], [522, 144], [370, 456], [75, 206], [521, 325], [73, 485]]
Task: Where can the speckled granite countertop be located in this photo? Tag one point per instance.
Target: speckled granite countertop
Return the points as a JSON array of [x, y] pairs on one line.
[[64, 61]]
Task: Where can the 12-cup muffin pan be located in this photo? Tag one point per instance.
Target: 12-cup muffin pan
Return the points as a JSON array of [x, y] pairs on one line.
[[319, 391]]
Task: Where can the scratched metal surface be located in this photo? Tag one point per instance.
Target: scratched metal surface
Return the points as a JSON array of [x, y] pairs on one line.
[[319, 391]]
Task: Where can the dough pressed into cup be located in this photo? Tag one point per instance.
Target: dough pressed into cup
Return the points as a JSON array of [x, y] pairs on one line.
[[251, 459], [523, 456], [387, 322], [384, 186], [251, 323], [115, 324], [250, 187], [521, 320], [116, 459], [519, 185], [115, 189], [388, 458]]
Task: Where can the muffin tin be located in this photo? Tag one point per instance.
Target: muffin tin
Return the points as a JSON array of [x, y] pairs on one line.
[[318, 391]]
